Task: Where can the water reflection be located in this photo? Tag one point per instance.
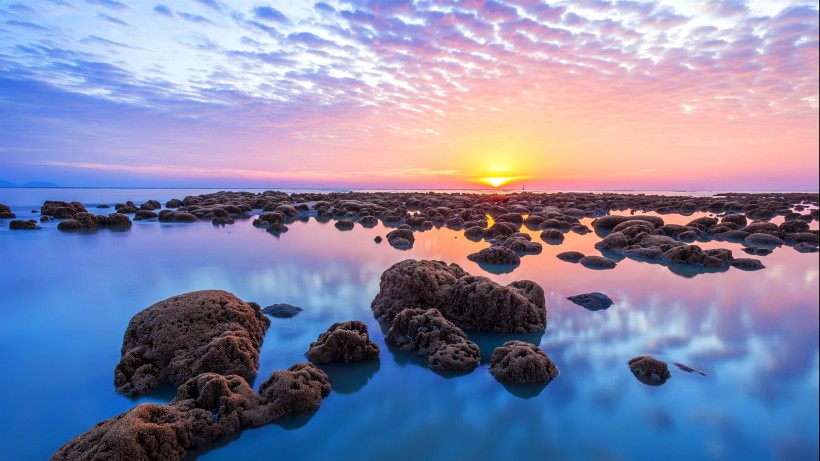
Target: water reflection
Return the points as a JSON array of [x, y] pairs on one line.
[[755, 333]]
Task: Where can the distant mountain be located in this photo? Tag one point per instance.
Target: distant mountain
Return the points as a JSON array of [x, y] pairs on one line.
[[4, 183], [39, 184]]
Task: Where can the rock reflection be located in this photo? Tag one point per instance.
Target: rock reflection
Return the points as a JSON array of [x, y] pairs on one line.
[[348, 378]]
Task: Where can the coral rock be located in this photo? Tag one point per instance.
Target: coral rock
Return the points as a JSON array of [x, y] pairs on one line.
[[343, 342], [519, 362]]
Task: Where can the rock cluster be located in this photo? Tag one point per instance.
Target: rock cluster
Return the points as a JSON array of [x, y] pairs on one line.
[[207, 407], [519, 362], [430, 334], [343, 342], [5, 212], [189, 334], [470, 302]]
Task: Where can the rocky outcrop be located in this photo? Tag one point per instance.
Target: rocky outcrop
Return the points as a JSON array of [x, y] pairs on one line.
[[649, 370], [401, 238], [470, 302], [189, 334], [520, 362], [206, 408], [343, 342], [594, 301], [431, 335]]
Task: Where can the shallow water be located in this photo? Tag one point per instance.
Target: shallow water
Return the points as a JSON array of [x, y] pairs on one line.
[[67, 298]]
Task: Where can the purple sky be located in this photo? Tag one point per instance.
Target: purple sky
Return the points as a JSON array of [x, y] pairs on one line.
[[363, 93]]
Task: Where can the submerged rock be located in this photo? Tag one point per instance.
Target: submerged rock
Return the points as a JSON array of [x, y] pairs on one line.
[[19, 224], [520, 362], [206, 408], [282, 310], [189, 334], [429, 333], [343, 342], [470, 302], [649, 370], [593, 301]]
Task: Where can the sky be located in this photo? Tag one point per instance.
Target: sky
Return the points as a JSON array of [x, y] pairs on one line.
[[593, 94]]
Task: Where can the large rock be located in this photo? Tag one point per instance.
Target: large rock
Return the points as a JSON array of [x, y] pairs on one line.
[[206, 408], [471, 302], [429, 333], [189, 334], [343, 342], [520, 362]]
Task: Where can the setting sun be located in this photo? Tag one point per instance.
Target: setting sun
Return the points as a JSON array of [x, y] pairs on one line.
[[496, 181]]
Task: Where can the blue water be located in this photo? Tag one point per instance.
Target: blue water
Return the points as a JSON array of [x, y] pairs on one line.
[[67, 299]]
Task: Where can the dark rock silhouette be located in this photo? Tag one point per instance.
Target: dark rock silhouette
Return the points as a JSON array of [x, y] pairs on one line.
[[597, 262], [282, 310], [593, 301], [570, 256]]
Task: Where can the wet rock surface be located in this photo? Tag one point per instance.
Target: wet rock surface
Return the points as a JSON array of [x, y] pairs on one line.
[[431, 335], [189, 334], [206, 408], [649, 370], [282, 310], [593, 301], [343, 342], [520, 362], [470, 302]]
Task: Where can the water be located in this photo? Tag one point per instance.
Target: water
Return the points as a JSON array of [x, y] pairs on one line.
[[67, 299]]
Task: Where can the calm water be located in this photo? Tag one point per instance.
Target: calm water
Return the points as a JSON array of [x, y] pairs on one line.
[[67, 299]]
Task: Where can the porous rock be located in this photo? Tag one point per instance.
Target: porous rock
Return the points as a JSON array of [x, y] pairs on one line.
[[649, 370], [520, 362], [429, 333], [495, 255], [470, 302], [189, 334], [343, 342]]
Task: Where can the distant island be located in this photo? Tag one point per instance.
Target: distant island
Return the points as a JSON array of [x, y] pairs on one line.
[[4, 183]]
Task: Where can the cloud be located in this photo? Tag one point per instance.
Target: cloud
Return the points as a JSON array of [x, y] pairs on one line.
[[270, 14], [195, 18], [113, 20], [211, 4], [112, 4], [164, 10]]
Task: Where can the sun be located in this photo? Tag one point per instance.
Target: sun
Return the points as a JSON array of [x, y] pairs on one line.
[[496, 181]]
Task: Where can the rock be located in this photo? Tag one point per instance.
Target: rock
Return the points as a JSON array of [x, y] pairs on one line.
[[189, 334], [182, 216], [639, 225], [378, 239], [470, 302], [519, 362], [19, 224], [401, 238], [174, 203], [793, 227], [757, 251], [61, 210], [144, 214], [344, 224], [495, 255], [649, 370], [117, 220], [594, 301], [429, 333], [206, 408], [764, 227], [803, 247], [597, 262], [68, 225], [694, 255], [5, 212], [343, 342], [738, 219], [570, 256], [521, 246], [761, 239], [607, 223], [552, 236], [282, 310], [702, 223], [747, 264], [803, 237]]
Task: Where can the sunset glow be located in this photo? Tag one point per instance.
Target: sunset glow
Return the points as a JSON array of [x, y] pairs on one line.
[[362, 94]]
